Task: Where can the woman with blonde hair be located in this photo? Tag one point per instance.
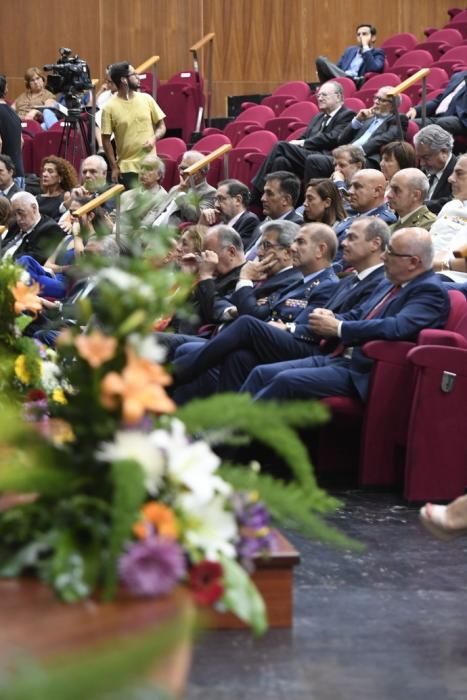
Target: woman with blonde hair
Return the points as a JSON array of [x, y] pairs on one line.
[[35, 95]]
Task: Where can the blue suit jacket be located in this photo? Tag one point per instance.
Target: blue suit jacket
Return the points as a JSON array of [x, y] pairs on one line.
[[382, 212], [291, 305], [422, 303], [246, 298], [373, 60], [457, 108], [348, 294]]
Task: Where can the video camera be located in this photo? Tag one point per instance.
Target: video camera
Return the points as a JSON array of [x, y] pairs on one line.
[[70, 76]]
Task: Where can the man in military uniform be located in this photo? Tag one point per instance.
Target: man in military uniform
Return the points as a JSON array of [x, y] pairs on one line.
[[406, 195]]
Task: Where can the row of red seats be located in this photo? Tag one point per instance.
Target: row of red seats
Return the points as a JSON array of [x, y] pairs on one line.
[[415, 438]]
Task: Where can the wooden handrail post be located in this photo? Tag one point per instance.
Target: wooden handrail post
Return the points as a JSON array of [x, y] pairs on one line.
[[207, 39], [192, 169], [408, 82], [150, 63]]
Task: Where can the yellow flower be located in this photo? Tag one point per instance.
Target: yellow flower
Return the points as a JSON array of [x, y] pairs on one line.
[[160, 517], [96, 348], [26, 298], [139, 387], [21, 369], [59, 396]]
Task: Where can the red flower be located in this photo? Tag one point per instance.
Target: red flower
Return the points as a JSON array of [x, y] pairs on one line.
[[206, 582], [36, 395]]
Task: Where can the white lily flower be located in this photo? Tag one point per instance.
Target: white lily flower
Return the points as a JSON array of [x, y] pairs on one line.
[[124, 281], [148, 348], [210, 528], [134, 444], [50, 374]]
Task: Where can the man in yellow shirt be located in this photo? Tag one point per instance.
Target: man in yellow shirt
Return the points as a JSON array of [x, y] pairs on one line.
[[136, 121]]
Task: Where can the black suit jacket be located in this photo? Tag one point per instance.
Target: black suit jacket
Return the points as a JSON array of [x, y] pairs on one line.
[[246, 226], [386, 132], [39, 243], [458, 106], [213, 295], [246, 298], [442, 192], [318, 139], [14, 189]]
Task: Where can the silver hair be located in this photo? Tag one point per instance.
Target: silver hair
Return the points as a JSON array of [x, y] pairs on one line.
[[227, 236], [24, 197], [436, 138], [376, 228], [286, 230], [102, 162], [338, 89]]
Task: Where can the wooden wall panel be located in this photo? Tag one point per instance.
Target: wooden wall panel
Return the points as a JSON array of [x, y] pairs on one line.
[[258, 44]]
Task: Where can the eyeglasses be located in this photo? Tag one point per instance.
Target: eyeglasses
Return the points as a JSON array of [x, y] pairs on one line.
[[267, 245], [222, 197], [389, 251], [381, 99]]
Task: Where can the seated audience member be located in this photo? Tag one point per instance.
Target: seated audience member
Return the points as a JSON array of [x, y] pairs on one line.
[[395, 156], [322, 135], [57, 315], [412, 299], [406, 195], [8, 186], [449, 109], [11, 139], [366, 197], [32, 233], [137, 206], [255, 338], [35, 95], [449, 231], [279, 198], [370, 129], [186, 201], [230, 208], [5, 214], [93, 181], [323, 203], [433, 149], [55, 276], [347, 161], [58, 176], [446, 522], [356, 61]]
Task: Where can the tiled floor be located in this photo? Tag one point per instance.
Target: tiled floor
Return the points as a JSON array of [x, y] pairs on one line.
[[388, 624]]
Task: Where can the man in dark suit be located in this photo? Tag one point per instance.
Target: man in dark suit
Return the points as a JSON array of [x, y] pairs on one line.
[[279, 198], [370, 129], [8, 186], [321, 135], [250, 340], [31, 234], [230, 208], [433, 148], [356, 61], [413, 298], [449, 109]]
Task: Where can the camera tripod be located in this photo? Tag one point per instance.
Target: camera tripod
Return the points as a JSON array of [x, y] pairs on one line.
[[74, 142]]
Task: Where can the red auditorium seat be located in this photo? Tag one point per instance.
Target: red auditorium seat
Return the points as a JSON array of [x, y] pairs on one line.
[[453, 60], [354, 103], [171, 151], [208, 144], [441, 41], [438, 78], [298, 114], [378, 428], [53, 142], [247, 156], [180, 102], [436, 456], [252, 119], [284, 96], [411, 62], [404, 40], [369, 89]]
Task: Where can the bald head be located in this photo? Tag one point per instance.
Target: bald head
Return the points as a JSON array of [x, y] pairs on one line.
[[366, 190], [407, 191], [408, 255], [314, 247]]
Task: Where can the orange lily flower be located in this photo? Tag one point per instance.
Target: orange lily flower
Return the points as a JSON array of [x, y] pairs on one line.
[[96, 348], [158, 515], [26, 298], [139, 387]]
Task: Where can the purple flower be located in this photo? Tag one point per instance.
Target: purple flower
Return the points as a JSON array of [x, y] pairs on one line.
[[152, 567]]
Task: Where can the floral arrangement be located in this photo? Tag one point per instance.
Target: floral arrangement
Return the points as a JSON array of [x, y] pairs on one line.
[[118, 487]]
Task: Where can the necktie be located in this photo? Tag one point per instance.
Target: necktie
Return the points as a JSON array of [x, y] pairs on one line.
[[325, 122], [382, 303], [433, 180]]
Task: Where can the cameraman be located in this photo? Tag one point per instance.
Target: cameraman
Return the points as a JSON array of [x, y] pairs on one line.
[[136, 121]]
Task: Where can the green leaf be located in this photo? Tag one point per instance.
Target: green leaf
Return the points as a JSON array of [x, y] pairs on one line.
[[128, 495], [242, 597], [27, 557], [67, 569]]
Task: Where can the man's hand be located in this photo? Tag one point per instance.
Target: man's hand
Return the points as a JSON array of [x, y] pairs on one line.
[[297, 142], [115, 173], [190, 263], [412, 113], [256, 270], [278, 324], [323, 322], [364, 114], [209, 217], [208, 264]]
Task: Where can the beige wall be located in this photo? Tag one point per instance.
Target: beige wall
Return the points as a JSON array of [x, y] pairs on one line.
[[258, 43]]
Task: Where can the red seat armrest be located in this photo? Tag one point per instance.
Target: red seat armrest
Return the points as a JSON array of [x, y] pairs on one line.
[[388, 351]]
